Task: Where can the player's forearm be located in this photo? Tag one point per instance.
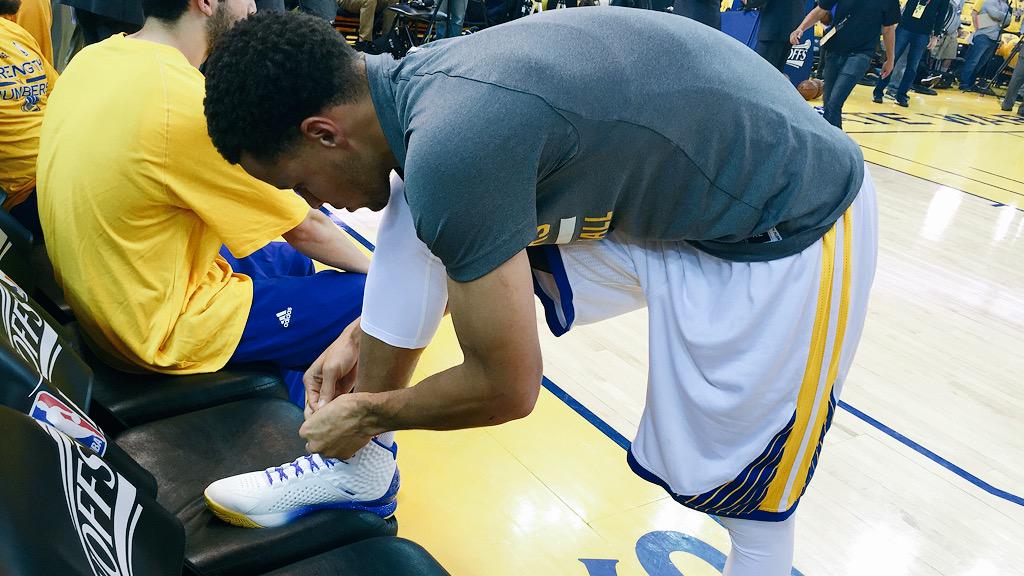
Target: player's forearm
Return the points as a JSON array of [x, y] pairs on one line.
[[466, 396], [383, 367], [321, 240]]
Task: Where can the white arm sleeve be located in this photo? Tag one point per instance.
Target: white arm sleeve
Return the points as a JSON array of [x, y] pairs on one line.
[[407, 287]]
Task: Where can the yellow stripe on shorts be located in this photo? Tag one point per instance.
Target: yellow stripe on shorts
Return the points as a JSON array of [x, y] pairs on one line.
[[813, 402]]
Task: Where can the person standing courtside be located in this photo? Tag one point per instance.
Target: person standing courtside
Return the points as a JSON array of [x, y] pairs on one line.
[[850, 44], [990, 17], [708, 12], [777, 20], [920, 25], [1013, 89]]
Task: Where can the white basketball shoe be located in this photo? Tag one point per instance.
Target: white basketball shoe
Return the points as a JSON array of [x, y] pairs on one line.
[[369, 481]]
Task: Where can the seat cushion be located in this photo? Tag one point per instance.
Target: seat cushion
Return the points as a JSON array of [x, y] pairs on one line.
[[122, 400], [186, 453], [375, 557]]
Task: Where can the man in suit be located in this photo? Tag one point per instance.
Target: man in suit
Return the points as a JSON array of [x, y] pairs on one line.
[[707, 12], [778, 19]]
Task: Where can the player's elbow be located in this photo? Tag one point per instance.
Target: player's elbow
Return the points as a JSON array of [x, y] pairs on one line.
[[525, 400], [518, 396]]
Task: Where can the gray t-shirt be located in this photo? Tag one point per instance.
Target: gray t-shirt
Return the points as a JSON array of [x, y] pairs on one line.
[[565, 125]]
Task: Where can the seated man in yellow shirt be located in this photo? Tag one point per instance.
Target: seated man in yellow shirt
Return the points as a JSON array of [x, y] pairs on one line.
[[26, 78], [137, 206]]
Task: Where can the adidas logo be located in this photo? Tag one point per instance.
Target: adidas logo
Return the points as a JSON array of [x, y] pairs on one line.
[[285, 316]]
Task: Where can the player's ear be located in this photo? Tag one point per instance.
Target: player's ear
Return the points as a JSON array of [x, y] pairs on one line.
[[323, 131]]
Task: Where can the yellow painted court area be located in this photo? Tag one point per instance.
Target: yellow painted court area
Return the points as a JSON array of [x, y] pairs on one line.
[[534, 496], [963, 141]]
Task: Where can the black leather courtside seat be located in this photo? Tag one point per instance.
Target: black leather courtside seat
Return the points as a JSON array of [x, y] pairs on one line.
[[69, 512], [41, 375], [122, 400], [201, 447], [15, 244]]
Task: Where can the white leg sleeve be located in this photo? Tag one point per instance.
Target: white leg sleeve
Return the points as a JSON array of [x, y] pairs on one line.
[[760, 548], [407, 286]]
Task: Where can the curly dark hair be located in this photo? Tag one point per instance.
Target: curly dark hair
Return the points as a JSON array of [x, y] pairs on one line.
[[270, 72]]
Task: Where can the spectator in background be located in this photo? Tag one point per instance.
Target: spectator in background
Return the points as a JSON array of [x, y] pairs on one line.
[[1014, 88], [452, 26], [990, 17], [368, 10], [36, 17], [850, 45], [778, 19], [707, 12], [326, 9], [101, 19], [919, 29], [23, 98], [945, 50]]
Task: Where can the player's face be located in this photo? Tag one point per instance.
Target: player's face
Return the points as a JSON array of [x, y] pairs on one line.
[[343, 178]]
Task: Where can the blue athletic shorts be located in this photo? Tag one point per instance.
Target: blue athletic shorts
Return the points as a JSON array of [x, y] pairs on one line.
[[296, 312]]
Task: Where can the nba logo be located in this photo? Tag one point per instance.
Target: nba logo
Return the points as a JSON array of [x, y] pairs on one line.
[[66, 417]]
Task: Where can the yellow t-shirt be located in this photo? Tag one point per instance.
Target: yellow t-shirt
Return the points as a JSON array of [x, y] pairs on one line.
[[135, 202], [36, 16], [26, 79]]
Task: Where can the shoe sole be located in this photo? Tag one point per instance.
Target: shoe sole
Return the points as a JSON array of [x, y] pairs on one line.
[[384, 507]]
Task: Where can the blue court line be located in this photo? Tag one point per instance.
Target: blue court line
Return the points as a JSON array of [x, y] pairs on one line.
[[585, 412], [1009, 497], [351, 231], [623, 443]]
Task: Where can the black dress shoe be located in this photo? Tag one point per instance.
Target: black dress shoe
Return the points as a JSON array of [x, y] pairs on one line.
[[923, 90], [876, 98], [903, 102]]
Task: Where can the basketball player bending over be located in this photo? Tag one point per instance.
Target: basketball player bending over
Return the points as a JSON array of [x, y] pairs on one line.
[[601, 187]]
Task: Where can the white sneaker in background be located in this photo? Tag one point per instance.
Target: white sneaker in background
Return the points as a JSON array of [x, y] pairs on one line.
[[369, 481]]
